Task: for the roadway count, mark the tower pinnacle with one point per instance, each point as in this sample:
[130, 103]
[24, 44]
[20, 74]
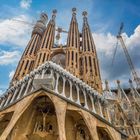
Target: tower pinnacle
[40, 26]
[74, 10]
[47, 41]
[72, 52]
[106, 85]
[85, 17]
[74, 14]
[91, 72]
[54, 14]
[43, 17]
[84, 13]
[26, 63]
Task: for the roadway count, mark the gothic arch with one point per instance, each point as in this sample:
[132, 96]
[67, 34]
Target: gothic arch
[38, 121]
[58, 57]
[74, 92]
[60, 85]
[67, 88]
[4, 120]
[57, 51]
[104, 134]
[75, 127]
[89, 102]
[82, 97]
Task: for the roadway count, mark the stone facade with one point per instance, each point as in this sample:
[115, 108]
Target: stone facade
[56, 94]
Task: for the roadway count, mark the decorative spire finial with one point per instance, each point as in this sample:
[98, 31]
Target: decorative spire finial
[106, 84]
[54, 14]
[44, 17]
[85, 16]
[118, 82]
[84, 13]
[74, 10]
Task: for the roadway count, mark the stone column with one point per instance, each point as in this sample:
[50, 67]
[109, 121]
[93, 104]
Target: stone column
[64, 81]
[91, 124]
[60, 108]
[78, 97]
[20, 91]
[56, 85]
[93, 107]
[70, 91]
[8, 99]
[43, 73]
[15, 93]
[29, 82]
[3, 101]
[86, 106]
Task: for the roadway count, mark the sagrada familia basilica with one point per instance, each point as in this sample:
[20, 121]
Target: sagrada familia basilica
[56, 92]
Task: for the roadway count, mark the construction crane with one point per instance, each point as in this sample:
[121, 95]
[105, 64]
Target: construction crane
[58, 35]
[130, 63]
[59, 30]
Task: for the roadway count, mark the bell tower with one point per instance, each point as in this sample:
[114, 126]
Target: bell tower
[72, 51]
[90, 65]
[47, 42]
[26, 63]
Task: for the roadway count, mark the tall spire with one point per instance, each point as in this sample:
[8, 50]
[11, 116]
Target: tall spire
[47, 42]
[26, 63]
[90, 66]
[72, 51]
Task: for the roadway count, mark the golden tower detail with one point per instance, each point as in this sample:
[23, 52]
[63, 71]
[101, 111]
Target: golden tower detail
[47, 42]
[72, 51]
[26, 64]
[89, 60]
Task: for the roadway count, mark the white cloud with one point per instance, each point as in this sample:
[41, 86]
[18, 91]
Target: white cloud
[25, 4]
[11, 74]
[105, 44]
[134, 40]
[7, 58]
[14, 32]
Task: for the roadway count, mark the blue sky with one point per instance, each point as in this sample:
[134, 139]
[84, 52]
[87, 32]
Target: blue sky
[104, 18]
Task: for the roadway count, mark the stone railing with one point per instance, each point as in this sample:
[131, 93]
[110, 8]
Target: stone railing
[60, 82]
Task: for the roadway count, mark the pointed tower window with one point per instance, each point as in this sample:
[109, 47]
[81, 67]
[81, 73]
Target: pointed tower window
[31, 65]
[90, 63]
[86, 63]
[95, 66]
[72, 55]
[44, 57]
[76, 59]
[26, 64]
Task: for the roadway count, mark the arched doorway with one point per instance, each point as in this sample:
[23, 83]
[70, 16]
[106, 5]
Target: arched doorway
[38, 122]
[103, 134]
[76, 128]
